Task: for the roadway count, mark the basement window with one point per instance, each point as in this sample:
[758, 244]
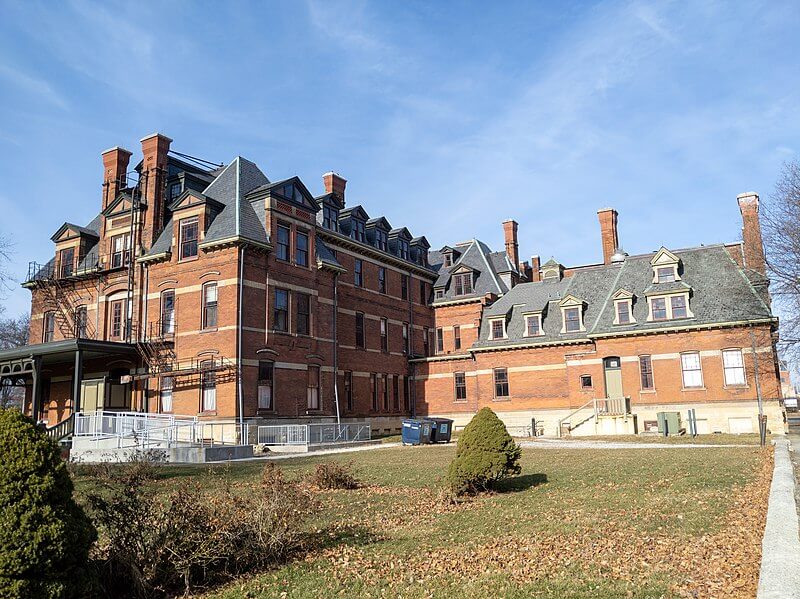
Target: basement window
[586, 381]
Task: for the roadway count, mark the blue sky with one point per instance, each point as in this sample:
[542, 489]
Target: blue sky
[447, 118]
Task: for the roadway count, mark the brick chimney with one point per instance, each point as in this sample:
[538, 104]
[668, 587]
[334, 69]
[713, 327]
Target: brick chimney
[334, 184]
[525, 269]
[115, 166]
[512, 247]
[536, 268]
[608, 232]
[752, 245]
[153, 180]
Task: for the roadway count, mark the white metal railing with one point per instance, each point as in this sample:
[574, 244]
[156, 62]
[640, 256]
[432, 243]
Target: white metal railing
[312, 434]
[166, 430]
[605, 406]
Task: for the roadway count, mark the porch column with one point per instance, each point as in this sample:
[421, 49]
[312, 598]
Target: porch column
[77, 377]
[36, 389]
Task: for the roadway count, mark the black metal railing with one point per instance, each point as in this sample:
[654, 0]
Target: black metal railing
[59, 269]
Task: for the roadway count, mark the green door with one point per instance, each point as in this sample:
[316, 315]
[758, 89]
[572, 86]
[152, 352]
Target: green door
[613, 374]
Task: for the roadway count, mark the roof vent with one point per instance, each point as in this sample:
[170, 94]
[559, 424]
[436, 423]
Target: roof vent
[618, 256]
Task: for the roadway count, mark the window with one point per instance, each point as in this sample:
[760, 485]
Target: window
[280, 315]
[404, 287]
[396, 393]
[439, 341]
[457, 337]
[121, 250]
[646, 373]
[330, 218]
[174, 190]
[208, 386]
[167, 383]
[266, 376]
[282, 246]
[463, 283]
[358, 273]
[402, 249]
[210, 306]
[500, 382]
[498, 328]
[692, 370]
[423, 293]
[360, 340]
[461, 386]
[659, 307]
[406, 394]
[373, 381]
[385, 390]
[426, 333]
[447, 260]
[586, 381]
[384, 335]
[189, 231]
[49, 327]
[405, 338]
[358, 231]
[313, 387]
[117, 316]
[439, 294]
[532, 325]
[66, 260]
[572, 320]
[81, 322]
[623, 312]
[380, 240]
[168, 312]
[678, 304]
[348, 389]
[303, 313]
[381, 279]
[301, 248]
[733, 364]
[665, 274]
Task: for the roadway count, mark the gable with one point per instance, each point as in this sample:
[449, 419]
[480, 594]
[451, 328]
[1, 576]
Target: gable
[191, 198]
[293, 190]
[664, 257]
[622, 294]
[570, 300]
[120, 205]
[69, 231]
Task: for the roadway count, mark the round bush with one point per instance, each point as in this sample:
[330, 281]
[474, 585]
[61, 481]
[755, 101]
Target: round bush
[486, 454]
[44, 535]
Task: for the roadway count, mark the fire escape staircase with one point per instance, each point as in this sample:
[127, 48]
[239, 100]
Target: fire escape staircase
[60, 296]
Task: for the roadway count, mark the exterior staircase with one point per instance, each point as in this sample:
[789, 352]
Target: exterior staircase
[593, 410]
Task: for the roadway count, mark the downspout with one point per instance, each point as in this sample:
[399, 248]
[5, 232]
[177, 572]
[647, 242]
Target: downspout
[146, 386]
[240, 399]
[412, 384]
[336, 346]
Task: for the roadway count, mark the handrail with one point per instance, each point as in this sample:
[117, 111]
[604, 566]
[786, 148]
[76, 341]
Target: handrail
[591, 402]
[62, 429]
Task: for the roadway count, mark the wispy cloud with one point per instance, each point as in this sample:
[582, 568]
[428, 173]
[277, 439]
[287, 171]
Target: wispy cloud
[35, 87]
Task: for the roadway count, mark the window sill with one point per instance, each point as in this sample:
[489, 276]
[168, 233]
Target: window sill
[460, 401]
[693, 389]
[650, 391]
[211, 330]
[208, 413]
[736, 387]
[188, 259]
[265, 410]
[501, 399]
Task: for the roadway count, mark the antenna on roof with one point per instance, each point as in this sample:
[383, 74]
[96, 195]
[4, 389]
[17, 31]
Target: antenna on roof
[198, 161]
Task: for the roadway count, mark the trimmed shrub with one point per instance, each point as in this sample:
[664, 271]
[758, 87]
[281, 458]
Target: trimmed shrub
[44, 535]
[333, 475]
[486, 454]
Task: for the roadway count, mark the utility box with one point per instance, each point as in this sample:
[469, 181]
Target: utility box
[669, 423]
[441, 429]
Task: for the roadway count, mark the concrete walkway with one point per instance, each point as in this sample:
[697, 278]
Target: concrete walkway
[780, 557]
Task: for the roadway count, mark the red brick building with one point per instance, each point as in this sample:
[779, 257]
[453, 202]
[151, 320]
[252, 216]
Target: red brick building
[210, 290]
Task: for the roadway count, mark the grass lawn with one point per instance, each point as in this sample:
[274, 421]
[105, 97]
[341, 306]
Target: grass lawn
[719, 439]
[575, 523]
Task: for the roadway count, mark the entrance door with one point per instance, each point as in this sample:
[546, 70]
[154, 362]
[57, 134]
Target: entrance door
[613, 374]
[93, 395]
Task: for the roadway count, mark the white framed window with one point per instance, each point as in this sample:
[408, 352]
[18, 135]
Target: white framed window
[313, 387]
[266, 375]
[463, 283]
[533, 325]
[666, 274]
[497, 328]
[669, 307]
[209, 306]
[623, 313]
[208, 386]
[692, 370]
[167, 383]
[733, 366]
[460, 380]
[572, 319]
[189, 234]
[168, 312]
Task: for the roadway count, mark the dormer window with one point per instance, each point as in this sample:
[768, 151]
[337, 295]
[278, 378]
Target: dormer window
[402, 249]
[533, 325]
[175, 190]
[498, 328]
[381, 240]
[572, 314]
[330, 218]
[439, 294]
[665, 266]
[669, 307]
[447, 260]
[357, 231]
[665, 274]
[623, 307]
[188, 238]
[462, 283]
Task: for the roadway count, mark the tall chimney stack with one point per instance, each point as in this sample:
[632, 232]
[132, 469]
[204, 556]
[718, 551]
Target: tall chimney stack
[752, 245]
[512, 247]
[115, 167]
[153, 180]
[536, 268]
[608, 233]
[334, 184]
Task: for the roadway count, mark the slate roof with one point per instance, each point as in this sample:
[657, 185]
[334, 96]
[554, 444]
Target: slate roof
[720, 292]
[477, 256]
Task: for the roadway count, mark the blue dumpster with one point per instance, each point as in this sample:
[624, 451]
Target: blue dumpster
[441, 429]
[416, 432]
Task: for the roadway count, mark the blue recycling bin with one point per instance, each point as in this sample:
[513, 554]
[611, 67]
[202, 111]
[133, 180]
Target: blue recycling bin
[441, 429]
[416, 432]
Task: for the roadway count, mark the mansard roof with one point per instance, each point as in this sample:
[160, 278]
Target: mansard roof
[379, 222]
[476, 256]
[721, 293]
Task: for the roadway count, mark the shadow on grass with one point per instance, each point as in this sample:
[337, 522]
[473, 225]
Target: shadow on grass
[521, 483]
